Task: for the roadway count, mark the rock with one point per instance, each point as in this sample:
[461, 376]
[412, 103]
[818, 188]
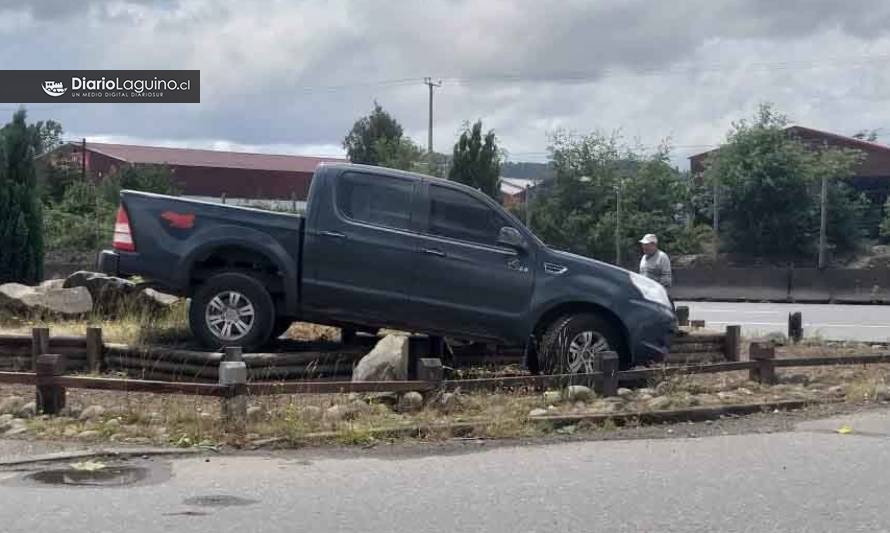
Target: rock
[624, 392]
[312, 412]
[15, 430]
[659, 402]
[744, 391]
[52, 284]
[882, 393]
[11, 405]
[663, 388]
[112, 424]
[645, 397]
[603, 406]
[335, 413]
[644, 391]
[18, 299]
[723, 395]
[28, 410]
[578, 393]
[154, 302]
[388, 361]
[552, 396]
[255, 413]
[89, 434]
[537, 412]
[92, 412]
[410, 402]
[71, 431]
[71, 410]
[837, 390]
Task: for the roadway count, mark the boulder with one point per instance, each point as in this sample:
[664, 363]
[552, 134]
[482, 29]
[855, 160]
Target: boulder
[11, 405]
[537, 412]
[19, 299]
[388, 361]
[111, 295]
[624, 392]
[552, 396]
[410, 402]
[255, 413]
[659, 402]
[92, 412]
[578, 393]
[52, 284]
[28, 410]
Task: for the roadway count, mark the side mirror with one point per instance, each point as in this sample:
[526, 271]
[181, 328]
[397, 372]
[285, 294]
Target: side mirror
[511, 238]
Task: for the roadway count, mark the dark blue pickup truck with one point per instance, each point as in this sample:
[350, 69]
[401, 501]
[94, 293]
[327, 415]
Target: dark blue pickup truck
[384, 248]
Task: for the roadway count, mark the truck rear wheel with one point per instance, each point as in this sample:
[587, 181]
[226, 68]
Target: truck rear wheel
[232, 309]
[574, 344]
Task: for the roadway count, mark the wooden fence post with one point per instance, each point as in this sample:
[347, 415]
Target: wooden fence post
[765, 355]
[233, 375]
[95, 350]
[682, 315]
[50, 398]
[795, 327]
[39, 344]
[607, 384]
[733, 343]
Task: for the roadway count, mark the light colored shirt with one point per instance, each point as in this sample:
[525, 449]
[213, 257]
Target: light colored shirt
[658, 267]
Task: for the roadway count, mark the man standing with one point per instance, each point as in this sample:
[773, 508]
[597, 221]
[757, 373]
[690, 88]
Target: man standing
[655, 264]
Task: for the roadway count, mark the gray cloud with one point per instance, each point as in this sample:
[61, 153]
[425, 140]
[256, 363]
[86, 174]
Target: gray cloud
[298, 73]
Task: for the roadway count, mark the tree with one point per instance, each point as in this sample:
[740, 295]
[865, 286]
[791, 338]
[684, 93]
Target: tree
[577, 210]
[769, 190]
[21, 225]
[376, 131]
[476, 161]
[402, 153]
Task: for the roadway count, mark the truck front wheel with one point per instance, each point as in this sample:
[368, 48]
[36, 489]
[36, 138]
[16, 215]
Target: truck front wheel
[574, 344]
[232, 309]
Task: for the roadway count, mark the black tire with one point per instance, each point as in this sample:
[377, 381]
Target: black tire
[249, 289]
[554, 351]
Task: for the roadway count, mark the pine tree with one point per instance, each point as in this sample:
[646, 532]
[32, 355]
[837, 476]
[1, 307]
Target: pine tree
[476, 161]
[21, 223]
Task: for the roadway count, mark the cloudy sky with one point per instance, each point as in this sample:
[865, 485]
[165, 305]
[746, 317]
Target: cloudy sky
[292, 76]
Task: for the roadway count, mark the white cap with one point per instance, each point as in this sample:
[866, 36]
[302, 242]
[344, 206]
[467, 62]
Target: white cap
[649, 238]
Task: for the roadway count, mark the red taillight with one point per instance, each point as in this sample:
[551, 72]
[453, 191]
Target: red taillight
[123, 238]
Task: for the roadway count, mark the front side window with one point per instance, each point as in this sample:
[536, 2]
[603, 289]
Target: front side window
[375, 199]
[458, 215]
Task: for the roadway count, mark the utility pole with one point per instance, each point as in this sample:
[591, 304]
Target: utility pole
[823, 222]
[430, 83]
[716, 218]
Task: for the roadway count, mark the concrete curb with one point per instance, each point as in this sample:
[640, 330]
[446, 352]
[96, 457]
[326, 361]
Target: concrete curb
[113, 453]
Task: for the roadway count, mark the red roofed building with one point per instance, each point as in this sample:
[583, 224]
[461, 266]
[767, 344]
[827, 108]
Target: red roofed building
[208, 173]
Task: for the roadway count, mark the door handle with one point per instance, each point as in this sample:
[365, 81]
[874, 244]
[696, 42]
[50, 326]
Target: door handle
[334, 234]
[434, 251]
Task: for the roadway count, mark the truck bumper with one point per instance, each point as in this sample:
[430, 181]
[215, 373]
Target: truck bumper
[109, 262]
[655, 326]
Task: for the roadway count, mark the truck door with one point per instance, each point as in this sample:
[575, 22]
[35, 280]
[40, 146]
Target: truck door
[361, 248]
[464, 280]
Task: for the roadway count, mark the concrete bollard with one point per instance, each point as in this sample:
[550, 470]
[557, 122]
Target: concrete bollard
[233, 353]
[50, 398]
[682, 315]
[430, 369]
[233, 375]
[733, 340]
[795, 327]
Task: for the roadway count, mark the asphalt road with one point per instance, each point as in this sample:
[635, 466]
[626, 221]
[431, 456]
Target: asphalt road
[830, 322]
[812, 480]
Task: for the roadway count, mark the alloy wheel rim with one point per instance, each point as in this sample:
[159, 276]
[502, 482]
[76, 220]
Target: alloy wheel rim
[230, 316]
[584, 352]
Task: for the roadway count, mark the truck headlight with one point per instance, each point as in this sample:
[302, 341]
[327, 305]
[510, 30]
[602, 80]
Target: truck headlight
[650, 289]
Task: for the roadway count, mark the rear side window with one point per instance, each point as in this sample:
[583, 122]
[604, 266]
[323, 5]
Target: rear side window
[378, 200]
[458, 215]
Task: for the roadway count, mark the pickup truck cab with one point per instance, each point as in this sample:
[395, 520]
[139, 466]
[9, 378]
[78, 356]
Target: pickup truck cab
[385, 248]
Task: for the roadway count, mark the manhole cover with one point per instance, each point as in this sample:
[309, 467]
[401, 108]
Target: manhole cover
[111, 476]
[218, 500]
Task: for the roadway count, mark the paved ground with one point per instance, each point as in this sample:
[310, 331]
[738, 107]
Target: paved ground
[812, 479]
[830, 322]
